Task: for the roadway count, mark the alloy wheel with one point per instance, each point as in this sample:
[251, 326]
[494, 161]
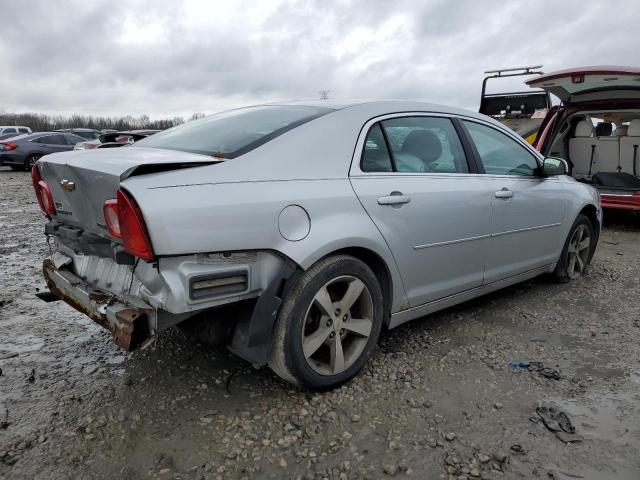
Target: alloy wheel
[338, 324]
[579, 249]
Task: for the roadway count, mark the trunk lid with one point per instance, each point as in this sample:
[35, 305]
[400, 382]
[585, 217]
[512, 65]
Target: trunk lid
[591, 83]
[81, 181]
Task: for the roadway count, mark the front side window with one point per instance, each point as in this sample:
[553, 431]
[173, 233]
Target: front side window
[233, 133]
[425, 145]
[500, 154]
[23, 130]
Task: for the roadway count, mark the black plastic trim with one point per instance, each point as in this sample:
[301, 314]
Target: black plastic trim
[253, 336]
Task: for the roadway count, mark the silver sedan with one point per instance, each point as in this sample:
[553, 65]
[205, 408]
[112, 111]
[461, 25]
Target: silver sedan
[293, 232]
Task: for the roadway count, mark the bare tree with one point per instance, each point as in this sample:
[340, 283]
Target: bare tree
[41, 122]
[324, 94]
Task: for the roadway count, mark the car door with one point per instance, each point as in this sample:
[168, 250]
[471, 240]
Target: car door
[413, 177]
[53, 143]
[527, 209]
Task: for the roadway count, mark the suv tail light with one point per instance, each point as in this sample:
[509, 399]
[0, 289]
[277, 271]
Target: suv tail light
[8, 146]
[43, 192]
[124, 220]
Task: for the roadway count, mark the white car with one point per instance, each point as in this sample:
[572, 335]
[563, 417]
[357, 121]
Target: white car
[18, 130]
[323, 221]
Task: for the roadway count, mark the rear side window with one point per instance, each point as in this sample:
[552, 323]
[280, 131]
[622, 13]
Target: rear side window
[234, 133]
[9, 130]
[52, 140]
[500, 154]
[375, 154]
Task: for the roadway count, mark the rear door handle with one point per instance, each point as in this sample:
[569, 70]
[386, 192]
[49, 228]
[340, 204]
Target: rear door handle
[504, 193]
[395, 198]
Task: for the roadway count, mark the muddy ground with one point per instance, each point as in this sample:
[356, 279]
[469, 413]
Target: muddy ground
[438, 399]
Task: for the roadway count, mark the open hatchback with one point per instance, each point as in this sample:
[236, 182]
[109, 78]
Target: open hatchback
[596, 128]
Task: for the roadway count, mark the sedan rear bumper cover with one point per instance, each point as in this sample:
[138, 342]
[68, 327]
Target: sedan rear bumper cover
[130, 320]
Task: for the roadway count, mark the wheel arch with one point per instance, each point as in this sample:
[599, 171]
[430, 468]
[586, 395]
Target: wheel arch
[379, 268]
[375, 254]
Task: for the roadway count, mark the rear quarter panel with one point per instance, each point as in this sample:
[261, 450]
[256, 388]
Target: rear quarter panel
[239, 216]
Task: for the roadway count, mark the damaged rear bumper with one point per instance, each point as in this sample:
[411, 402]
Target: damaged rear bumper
[129, 319]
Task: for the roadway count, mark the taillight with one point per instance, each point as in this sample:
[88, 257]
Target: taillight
[124, 220]
[110, 211]
[8, 146]
[43, 192]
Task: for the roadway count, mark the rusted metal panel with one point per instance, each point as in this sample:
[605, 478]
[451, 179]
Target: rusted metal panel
[128, 324]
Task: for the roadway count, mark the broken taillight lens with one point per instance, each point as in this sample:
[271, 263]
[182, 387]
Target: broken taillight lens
[43, 192]
[124, 220]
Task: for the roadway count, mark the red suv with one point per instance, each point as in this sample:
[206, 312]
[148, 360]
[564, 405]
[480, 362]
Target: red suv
[596, 129]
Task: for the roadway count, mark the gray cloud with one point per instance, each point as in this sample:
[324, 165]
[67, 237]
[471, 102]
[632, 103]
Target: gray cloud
[164, 58]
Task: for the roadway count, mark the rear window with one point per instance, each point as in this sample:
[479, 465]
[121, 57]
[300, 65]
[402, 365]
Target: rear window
[233, 133]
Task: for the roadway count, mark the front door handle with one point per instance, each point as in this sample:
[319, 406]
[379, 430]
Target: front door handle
[394, 198]
[504, 193]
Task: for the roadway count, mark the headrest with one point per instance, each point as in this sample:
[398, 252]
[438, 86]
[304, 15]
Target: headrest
[621, 131]
[423, 144]
[634, 128]
[584, 128]
[604, 129]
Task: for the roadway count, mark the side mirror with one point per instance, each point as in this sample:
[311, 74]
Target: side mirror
[554, 166]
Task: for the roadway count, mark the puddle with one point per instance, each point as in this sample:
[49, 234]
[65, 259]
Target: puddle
[609, 417]
[607, 473]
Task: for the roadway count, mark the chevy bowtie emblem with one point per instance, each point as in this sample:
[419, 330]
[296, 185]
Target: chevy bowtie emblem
[67, 185]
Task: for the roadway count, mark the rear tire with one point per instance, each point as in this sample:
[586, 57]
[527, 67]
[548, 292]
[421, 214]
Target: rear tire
[328, 325]
[31, 160]
[577, 252]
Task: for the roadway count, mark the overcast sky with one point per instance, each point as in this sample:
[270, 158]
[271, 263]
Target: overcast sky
[166, 58]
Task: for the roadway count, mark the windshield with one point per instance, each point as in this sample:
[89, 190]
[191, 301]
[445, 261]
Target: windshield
[233, 133]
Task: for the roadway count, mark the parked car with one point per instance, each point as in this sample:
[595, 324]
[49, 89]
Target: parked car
[115, 139]
[4, 136]
[86, 133]
[22, 152]
[320, 222]
[596, 129]
[14, 130]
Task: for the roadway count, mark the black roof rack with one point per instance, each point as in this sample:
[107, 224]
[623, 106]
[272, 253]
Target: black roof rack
[527, 102]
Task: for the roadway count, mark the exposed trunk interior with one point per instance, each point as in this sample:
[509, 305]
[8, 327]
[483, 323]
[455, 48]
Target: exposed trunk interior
[601, 147]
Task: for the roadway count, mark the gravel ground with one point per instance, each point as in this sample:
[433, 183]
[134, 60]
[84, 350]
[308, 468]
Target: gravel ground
[437, 400]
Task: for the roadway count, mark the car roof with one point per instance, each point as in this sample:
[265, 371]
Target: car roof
[382, 107]
[77, 130]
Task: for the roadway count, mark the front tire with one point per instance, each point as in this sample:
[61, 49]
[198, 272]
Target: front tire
[328, 325]
[577, 251]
